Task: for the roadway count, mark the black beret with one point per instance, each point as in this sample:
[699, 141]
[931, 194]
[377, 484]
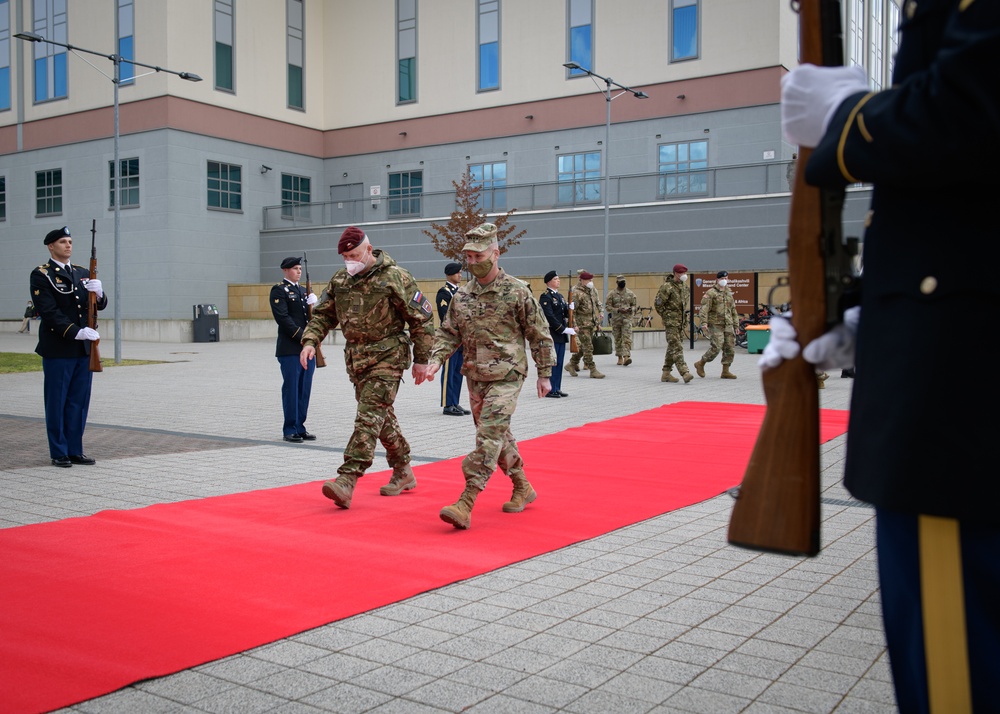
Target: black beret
[290, 263]
[549, 275]
[721, 274]
[452, 268]
[53, 236]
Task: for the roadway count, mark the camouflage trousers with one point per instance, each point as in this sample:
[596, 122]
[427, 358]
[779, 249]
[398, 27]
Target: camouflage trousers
[375, 421]
[675, 350]
[621, 331]
[722, 340]
[585, 339]
[493, 406]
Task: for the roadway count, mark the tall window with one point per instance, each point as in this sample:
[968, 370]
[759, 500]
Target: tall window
[682, 168]
[48, 192]
[4, 55]
[126, 40]
[224, 44]
[225, 186]
[295, 191]
[3, 198]
[489, 45]
[405, 189]
[684, 24]
[50, 60]
[579, 178]
[296, 54]
[581, 34]
[493, 180]
[406, 51]
[128, 185]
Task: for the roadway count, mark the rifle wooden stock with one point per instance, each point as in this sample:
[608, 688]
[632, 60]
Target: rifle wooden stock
[573, 346]
[777, 508]
[320, 360]
[95, 353]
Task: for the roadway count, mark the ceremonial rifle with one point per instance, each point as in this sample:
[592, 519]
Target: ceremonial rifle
[573, 346]
[320, 361]
[777, 505]
[95, 354]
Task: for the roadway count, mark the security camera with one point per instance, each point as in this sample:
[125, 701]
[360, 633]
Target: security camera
[264, 168]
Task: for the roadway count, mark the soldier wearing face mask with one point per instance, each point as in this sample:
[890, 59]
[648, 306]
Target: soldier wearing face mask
[671, 303]
[622, 303]
[374, 301]
[718, 311]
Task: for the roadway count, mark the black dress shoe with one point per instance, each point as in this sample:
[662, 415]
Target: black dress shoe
[465, 411]
[306, 436]
[563, 394]
[294, 438]
[552, 395]
[453, 411]
[62, 462]
[82, 459]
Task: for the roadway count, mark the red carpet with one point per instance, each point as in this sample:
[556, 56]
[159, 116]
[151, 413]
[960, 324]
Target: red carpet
[90, 605]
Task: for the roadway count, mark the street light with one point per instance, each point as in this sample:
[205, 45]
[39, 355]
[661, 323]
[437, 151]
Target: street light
[117, 60]
[609, 97]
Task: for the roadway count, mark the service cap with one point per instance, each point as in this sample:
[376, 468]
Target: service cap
[481, 238]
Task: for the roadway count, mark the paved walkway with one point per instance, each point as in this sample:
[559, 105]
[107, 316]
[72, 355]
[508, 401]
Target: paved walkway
[660, 616]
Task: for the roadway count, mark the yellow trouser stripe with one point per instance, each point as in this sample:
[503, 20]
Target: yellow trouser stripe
[945, 646]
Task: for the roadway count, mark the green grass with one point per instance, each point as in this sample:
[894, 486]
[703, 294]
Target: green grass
[19, 362]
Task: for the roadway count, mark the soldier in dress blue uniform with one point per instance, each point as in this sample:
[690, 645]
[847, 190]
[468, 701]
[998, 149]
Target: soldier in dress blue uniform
[451, 380]
[60, 291]
[920, 443]
[556, 311]
[289, 306]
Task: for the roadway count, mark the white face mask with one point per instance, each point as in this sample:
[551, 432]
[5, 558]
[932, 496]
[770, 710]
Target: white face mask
[683, 278]
[355, 266]
[722, 282]
[590, 284]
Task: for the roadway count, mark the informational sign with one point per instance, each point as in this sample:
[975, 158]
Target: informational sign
[743, 285]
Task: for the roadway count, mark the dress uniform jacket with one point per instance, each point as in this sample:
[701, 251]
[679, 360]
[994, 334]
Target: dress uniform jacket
[288, 306]
[62, 302]
[918, 438]
[556, 311]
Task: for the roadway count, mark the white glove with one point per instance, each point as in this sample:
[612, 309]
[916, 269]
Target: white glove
[312, 299]
[94, 286]
[809, 97]
[781, 344]
[835, 349]
[571, 305]
[87, 333]
[569, 331]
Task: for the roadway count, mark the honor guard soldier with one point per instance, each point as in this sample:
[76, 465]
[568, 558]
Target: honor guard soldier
[451, 380]
[556, 311]
[289, 306]
[60, 291]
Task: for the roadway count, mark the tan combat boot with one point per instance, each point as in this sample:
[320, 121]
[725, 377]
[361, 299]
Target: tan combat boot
[665, 376]
[628, 361]
[726, 374]
[699, 367]
[459, 514]
[620, 360]
[342, 490]
[402, 480]
[595, 373]
[522, 496]
[687, 377]
[571, 368]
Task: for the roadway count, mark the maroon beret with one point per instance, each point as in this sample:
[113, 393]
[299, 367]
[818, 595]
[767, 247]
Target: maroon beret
[351, 239]
[586, 276]
[680, 268]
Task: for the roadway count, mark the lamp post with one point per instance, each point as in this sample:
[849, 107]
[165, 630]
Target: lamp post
[117, 60]
[608, 91]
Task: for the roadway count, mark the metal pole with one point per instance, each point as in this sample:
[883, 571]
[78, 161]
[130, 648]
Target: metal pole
[118, 217]
[607, 190]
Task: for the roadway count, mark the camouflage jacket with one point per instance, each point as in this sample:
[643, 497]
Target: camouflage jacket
[374, 310]
[587, 308]
[491, 324]
[718, 308]
[622, 304]
[671, 302]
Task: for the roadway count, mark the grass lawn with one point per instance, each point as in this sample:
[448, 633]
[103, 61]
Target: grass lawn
[30, 362]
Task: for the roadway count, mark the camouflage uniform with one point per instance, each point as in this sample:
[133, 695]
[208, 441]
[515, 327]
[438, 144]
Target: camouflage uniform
[718, 311]
[491, 323]
[622, 304]
[373, 310]
[587, 315]
[671, 304]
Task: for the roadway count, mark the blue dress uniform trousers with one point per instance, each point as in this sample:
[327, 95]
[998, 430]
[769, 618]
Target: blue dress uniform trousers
[296, 386]
[66, 392]
[557, 372]
[451, 380]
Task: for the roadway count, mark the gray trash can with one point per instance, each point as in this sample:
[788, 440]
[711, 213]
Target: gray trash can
[206, 323]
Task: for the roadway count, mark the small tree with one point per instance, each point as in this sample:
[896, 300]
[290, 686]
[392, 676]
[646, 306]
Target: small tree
[449, 238]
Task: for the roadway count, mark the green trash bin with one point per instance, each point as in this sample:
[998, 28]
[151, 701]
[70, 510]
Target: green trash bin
[757, 337]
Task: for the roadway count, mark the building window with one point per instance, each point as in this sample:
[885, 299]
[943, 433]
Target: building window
[684, 38]
[579, 178]
[225, 186]
[3, 197]
[50, 60]
[493, 180]
[406, 51]
[48, 192]
[296, 54]
[295, 191]
[489, 45]
[405, 189]
[581, 34]
[126, 41]
[224, 44]
[682, 168]
[128, 186]
[4, 55]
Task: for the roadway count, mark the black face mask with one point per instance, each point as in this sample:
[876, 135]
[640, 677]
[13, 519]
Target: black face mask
[621, 284]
